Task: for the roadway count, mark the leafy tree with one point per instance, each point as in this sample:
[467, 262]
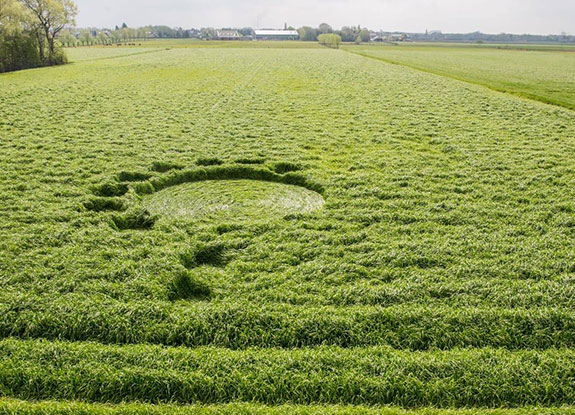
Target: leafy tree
[67, 38]
[11, 16]
[349, 34]
[29, 30]
[103, 38]
[132, 34]
[308, 34]
[19, 50]
[208, 33]
[125, 34]
[246, 31]
[162, 31]
[330, 40]
[50, 18]
[142, 33]
[86, 38]
[116, 36]
[364, 36]
[325, 28]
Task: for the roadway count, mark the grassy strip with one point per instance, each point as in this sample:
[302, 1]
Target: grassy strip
[36, 370]
[520, 94]
[241, 326]
[16, 407]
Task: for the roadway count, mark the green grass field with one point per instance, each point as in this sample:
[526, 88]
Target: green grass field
[543, 73]
[270, 230]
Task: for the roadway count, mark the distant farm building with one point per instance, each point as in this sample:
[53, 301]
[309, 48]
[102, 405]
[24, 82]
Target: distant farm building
[276, 35]
[228, 35]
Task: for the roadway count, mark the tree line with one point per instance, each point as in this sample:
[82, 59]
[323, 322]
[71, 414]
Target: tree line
[126, 34]
[358, 34]
[121, 34]
[479, 37]
[347, 33]
[29, 31]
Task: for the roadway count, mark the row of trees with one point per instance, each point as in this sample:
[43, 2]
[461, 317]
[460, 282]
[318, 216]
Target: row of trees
[89, 37]
[495, 38]
[29, 30]
[123, 34]
[347, 33]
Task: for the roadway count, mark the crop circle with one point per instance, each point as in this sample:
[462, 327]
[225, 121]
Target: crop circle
[233, 199]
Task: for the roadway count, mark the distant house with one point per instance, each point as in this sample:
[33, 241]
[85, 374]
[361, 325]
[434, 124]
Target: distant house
[266, 34]
[228, 35]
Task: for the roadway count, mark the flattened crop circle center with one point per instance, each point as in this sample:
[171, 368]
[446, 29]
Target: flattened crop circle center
[233, 198]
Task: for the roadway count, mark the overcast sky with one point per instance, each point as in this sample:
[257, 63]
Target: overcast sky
[488, 16]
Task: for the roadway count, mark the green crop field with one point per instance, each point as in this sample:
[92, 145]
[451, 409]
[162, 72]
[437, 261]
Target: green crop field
[543, 73]
[286, 230]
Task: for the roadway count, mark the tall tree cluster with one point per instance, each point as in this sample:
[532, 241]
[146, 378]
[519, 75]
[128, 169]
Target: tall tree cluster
[29, 30]
[330, 40]
[347, 33]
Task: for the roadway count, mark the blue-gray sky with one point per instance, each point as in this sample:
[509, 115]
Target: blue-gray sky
[488, 16]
